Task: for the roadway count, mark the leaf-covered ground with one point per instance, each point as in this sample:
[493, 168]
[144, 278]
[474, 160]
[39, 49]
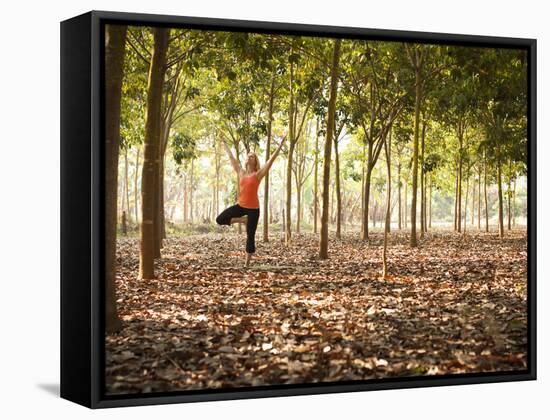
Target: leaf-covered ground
[456, 304]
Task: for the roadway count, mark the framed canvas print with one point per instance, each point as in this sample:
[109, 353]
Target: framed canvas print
[255, 209]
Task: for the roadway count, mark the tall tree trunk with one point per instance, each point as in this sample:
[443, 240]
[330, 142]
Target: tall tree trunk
[157, 194]
[161, 215]
[472, 212]
[136, 204]
[124, 224]
[406, 212]
[459, 197]
[151, 152]
[344, 207]
[288, 203]
[510, 196]
[366, 196]
[291, 144]
[479, 196]
[283, 204]
[485, 192]
[413, 242]
[115, 40]
[466, 205]
[387, 149]
[238, 189]
[185, 197]
[399, 194]
[500, 200]
[363, 176]
[338, 192]
[331, 215]
[298, 205]
[315, 178]
[430, 201]
[162, 193]
[514, 204]
[422, 184]
[126, 185]
[456, 199]
[323, 243]
[191, 180]
[217, 164]
[267, 154]
[425, 206]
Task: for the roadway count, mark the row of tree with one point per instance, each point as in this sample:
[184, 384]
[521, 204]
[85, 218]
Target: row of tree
[457, 109]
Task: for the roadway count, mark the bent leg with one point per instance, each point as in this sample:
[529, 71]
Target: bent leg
[224, 218]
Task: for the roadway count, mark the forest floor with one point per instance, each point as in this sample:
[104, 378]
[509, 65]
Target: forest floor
[456, 304]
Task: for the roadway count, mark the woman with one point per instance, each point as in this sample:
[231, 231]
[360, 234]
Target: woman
[247, 209]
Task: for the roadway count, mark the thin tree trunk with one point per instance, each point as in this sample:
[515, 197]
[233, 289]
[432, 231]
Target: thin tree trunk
[413, 242]
[315, 180]
[298, 205]
[291, 144]
[126, 184]
[218, 166]
[323, 243]
[472, 212]
[459, 210]
[191, 191]
[331, 215]
[485, 193]
[399, 194]
[500, 200]
[161, 214]
[185, 198]
[406, 212]
[387, 149]
[338, 192]
[151, 152]
[456, 199]
[466, 205]
[366, 196]
[431, 186]
[510, 196]
[124, 223]
[136, 186]
[422, 174]
[479, 197]
[267, 154]
[115, 40]
[514, 204]
[363, 176]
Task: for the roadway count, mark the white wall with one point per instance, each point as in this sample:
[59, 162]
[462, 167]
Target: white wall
[29, 379]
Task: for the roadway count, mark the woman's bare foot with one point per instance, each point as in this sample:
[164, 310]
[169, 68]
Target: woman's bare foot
[247, 261]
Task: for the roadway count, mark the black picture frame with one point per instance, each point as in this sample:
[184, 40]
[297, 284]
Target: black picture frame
[82, 209]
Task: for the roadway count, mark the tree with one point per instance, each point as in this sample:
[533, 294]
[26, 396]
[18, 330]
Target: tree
[115, 38]
[374, 86]
[503, 112]
[315, 178]
[323, 246]
[151, 153]
[304, 88]
[417, 55]
[387, 150]
[301, 171]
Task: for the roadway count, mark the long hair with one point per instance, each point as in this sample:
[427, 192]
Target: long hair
[257, 166]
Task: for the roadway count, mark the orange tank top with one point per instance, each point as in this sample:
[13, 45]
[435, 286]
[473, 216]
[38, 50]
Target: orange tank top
[248, 196]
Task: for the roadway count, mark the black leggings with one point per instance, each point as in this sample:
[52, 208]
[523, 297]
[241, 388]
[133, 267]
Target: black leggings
[224, 218]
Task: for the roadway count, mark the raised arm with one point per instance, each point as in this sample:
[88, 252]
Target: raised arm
[234, 162]
[265, 169]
